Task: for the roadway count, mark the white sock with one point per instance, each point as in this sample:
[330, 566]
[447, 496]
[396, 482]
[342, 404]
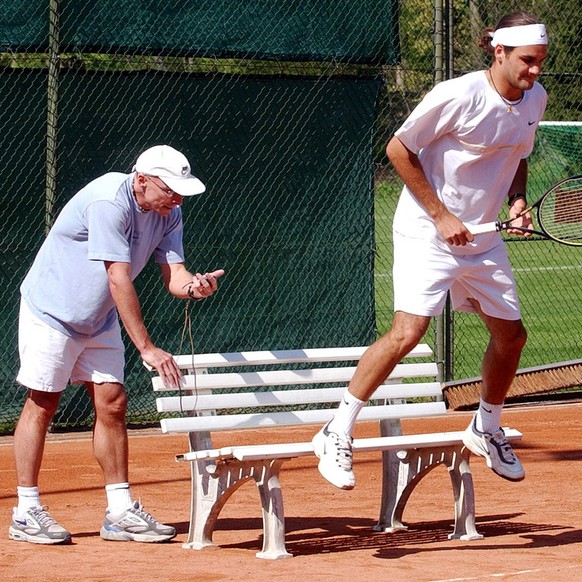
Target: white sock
[118, 497]
[345, 417]
[28, 497]
[488, 416]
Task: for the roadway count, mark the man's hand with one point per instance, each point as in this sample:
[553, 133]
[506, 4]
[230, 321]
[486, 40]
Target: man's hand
[165, 365]
[453, 230]
[525, 221]
[203, 286]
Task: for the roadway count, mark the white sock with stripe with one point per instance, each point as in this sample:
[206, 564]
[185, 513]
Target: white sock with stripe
[345, 417]
[118, 497]
[28, 497]
[488, 417]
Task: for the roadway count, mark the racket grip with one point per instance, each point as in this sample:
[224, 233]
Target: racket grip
[483, 228]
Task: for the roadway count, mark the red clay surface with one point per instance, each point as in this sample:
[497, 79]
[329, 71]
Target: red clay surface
[532, 529]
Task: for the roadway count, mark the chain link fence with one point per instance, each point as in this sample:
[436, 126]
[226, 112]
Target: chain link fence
[284, 109]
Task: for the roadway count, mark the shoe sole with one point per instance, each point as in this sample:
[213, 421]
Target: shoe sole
[487, 458]
[122, 536]
[19, 536]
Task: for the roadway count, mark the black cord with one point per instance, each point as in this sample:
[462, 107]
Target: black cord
[187, 329]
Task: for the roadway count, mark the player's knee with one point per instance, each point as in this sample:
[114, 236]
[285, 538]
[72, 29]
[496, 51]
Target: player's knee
[401, 340]
[42, 404]
[515, 341]
[113, 407]
[521, 339]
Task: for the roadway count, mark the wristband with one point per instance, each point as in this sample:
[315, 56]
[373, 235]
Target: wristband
[513, 197]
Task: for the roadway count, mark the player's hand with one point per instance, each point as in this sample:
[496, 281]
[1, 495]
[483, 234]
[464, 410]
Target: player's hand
[453, 230]
[203, 286]
[525, 221]
[165, 366]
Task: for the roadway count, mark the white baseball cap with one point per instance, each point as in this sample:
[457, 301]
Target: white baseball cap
[172, 167]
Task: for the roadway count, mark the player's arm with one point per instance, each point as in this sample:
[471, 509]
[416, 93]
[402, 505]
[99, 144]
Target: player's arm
[408, 167]
[129, 309]
[183, 284]
[516, 198]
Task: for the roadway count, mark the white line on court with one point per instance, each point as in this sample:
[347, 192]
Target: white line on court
[516, 270]
[504, 574]
[555, 268]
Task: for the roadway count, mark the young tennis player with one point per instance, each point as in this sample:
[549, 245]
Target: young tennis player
[79, 284]
[461, 155]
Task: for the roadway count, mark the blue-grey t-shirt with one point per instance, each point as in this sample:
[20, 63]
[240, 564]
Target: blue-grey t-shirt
[67, 286]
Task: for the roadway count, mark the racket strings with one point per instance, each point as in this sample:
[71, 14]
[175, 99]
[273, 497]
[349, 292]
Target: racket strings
[560, 214]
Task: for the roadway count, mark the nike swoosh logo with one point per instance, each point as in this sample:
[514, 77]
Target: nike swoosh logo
[486, 410]
[20, 521]
[530, 122]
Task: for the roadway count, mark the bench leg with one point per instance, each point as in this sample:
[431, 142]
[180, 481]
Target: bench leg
[462, 480]
[205, 492]
[273, 514]
[402, 471]
[212, 486]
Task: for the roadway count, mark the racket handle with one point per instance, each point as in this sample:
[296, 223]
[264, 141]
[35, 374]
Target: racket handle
[483, 228]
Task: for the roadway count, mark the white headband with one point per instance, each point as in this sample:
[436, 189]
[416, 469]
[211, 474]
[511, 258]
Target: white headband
[525, 35]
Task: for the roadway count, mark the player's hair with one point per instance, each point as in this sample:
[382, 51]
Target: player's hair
[509, 20]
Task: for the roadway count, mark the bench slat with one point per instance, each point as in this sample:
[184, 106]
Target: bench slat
[287, 418]
[290, 397]
[291, 450]
[258, 358]
[283, 377]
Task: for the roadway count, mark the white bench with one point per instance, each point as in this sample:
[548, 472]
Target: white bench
[303, 387]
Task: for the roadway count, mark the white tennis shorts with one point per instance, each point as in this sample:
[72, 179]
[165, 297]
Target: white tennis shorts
[424, 273]
[49, 359]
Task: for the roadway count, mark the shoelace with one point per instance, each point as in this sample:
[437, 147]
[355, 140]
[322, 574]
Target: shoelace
[344, 453]
[502, 442]
[43, 517]
[141, 512]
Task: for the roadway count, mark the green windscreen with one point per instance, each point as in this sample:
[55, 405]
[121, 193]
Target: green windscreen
[347, 30]
[288, 210]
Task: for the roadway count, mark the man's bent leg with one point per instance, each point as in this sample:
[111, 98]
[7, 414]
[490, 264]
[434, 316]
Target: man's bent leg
[381, 357]
[333, 443]
[484, 436]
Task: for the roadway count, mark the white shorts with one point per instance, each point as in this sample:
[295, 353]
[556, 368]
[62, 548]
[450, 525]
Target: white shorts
[424, 273]
[49, 359]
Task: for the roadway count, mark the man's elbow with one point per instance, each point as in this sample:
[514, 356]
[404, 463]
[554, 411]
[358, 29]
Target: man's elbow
[394, 149]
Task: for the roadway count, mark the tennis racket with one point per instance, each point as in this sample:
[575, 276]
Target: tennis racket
[559, 215]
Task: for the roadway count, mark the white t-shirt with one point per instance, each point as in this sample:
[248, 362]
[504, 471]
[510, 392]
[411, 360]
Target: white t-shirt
[67, 286]
[469, 146]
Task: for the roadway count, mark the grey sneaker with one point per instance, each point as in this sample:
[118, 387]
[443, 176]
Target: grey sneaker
[335, 458]
[498, 453]
[135, 524]
[38, 527]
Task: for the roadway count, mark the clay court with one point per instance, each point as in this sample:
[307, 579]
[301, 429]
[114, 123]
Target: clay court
[532, 529]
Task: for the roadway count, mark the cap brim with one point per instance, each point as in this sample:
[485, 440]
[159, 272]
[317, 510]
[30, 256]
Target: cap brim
[189, 186]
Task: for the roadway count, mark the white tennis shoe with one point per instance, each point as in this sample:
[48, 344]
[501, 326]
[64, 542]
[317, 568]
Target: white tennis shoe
[38, 527]
[497, 451]
[335, 458]
[135, 524]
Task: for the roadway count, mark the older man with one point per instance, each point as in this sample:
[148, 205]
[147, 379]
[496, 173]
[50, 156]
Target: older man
[79, 286]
